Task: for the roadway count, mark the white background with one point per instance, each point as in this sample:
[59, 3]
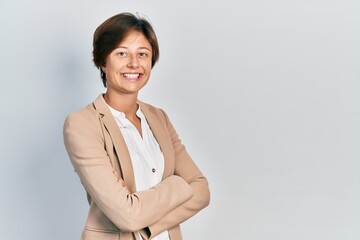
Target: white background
[265, 95]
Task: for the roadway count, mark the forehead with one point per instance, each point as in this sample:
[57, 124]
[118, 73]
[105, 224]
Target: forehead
[135, 39]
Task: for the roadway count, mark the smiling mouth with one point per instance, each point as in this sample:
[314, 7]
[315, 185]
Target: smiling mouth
[132, 76]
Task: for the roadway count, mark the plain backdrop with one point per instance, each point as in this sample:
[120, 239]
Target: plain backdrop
[265, 94]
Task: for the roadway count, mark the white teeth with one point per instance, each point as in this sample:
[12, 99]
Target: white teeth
[132, 75]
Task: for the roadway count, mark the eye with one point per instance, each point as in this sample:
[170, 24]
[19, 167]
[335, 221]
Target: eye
[143, 54]
[122, 53]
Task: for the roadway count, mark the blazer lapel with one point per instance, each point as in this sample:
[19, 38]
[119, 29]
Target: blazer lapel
[119, 142]
[161, 134]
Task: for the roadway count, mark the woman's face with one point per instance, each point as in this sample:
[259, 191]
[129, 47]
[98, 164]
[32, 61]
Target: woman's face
[128, 66]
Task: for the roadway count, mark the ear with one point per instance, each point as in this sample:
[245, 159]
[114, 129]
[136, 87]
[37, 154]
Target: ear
[103, 68]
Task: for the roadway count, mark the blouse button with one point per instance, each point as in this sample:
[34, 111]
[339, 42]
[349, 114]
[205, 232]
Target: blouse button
[153, 170]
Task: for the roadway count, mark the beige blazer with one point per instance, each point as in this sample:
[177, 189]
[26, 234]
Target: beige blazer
[98, 152]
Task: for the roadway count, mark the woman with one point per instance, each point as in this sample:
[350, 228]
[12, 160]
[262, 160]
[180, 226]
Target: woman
[140, 181]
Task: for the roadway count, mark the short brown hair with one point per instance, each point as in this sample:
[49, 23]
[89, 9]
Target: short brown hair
[111, 32]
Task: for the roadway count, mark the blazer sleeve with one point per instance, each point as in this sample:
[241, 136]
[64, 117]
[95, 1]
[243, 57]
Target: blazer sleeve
[187, 170]
[130, 212]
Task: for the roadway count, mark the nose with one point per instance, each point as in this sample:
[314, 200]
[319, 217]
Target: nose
[133, 62]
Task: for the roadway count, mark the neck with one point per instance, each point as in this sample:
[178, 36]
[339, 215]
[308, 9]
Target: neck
[126, 103]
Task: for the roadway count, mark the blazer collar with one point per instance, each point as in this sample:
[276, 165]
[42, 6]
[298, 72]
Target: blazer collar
[119, 143]
[156, 126]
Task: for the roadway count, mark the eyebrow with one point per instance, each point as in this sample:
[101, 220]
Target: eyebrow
[138, 48]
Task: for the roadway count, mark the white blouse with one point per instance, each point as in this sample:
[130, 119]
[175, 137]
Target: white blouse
[146, 155]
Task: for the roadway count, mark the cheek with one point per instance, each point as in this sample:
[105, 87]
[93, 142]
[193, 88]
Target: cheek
[113, 68]
[147, 64]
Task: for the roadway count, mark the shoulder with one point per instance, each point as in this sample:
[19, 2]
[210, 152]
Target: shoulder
[91, 113]
[86, 117]
[84, 113]
[153, 110]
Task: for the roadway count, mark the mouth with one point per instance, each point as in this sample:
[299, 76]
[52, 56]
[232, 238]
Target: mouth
[132, 76]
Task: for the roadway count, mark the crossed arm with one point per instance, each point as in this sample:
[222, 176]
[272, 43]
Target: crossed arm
[187, 170]
[172, 201]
